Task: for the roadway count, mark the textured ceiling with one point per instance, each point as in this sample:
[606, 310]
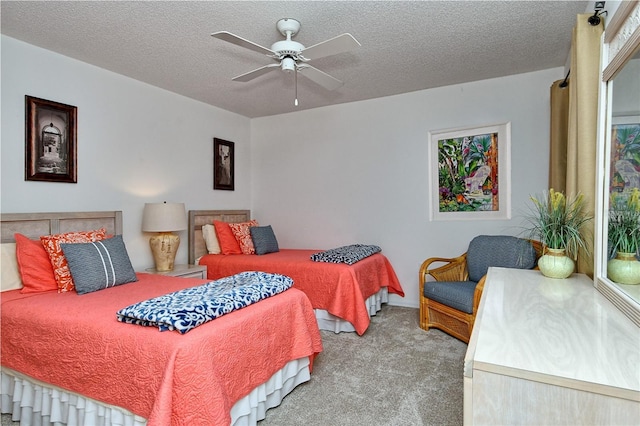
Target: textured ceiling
[406, 46]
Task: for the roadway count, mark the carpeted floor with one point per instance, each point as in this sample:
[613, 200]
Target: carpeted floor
[394, 375]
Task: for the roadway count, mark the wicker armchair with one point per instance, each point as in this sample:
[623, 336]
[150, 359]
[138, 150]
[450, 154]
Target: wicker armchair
[450, 303]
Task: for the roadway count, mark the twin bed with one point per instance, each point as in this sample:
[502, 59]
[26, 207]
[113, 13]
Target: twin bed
[65, 357]
[343, 296]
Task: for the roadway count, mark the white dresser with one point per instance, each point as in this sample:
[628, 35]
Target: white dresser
[550, 352]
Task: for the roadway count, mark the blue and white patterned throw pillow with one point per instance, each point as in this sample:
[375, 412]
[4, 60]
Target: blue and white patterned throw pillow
[346, 254]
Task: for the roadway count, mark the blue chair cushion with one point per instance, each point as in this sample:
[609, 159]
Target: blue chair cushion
[456, 294]
[498, 250]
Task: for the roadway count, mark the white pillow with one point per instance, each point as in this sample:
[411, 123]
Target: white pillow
[211, 239]
[9, 274]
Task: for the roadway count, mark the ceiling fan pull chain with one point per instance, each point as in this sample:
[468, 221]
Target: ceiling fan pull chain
[295, 72]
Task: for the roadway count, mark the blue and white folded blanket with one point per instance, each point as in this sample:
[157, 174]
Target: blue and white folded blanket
[185, 309]
[346, 254]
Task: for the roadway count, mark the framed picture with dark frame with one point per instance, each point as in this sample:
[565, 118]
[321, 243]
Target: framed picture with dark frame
[223, 164]
[51, 141]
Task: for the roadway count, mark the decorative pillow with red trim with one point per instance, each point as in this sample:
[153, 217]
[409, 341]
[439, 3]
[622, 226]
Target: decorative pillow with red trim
[243, 235]
[60, 265]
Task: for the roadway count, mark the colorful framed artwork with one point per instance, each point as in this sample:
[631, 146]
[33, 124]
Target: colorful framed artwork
[51, 138]
[470, 173]
[624, 168]
[223, 164]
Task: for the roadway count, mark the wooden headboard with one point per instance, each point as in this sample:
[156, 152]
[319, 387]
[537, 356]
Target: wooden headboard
[197, 218]
[33, 225]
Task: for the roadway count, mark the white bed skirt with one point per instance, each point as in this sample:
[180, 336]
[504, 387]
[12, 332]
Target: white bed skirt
[35, 403]
[329, 322]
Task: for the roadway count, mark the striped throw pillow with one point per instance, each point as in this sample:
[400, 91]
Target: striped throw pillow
[98, 265]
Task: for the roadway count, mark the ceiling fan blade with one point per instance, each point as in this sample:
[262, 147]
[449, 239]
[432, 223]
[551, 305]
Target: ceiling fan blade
[338, 44]
[319, 77]
[256, 73]
[239, 41]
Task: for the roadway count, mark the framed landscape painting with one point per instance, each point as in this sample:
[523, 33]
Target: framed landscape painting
[470, 173]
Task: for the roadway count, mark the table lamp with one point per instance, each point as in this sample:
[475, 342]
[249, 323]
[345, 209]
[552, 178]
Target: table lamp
[164, 218]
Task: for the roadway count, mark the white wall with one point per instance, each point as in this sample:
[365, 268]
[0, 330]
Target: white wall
[358, 172]
[326, 177]
[136, 144]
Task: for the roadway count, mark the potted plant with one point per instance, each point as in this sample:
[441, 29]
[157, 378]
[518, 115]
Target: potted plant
[624, 237]
[557, 222]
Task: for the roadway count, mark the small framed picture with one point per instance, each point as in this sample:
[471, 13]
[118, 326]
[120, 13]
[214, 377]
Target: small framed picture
[50, 147]
[223, 167]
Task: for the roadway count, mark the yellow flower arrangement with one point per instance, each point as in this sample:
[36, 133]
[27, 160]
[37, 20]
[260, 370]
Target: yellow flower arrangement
[557, 221]
[624, 222]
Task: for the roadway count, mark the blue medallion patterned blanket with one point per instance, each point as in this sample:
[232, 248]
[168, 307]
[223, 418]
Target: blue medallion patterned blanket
[186, 309]
[346, 254]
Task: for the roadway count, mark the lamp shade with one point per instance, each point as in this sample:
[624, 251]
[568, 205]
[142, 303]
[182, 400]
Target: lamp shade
[164, 217]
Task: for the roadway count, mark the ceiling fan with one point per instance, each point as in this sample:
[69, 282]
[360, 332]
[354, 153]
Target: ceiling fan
[291, 56]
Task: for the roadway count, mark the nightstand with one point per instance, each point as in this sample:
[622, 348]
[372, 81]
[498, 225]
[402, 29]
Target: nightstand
[183, 271]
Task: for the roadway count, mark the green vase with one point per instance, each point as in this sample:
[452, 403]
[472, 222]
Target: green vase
[624, 269]
[556, 264]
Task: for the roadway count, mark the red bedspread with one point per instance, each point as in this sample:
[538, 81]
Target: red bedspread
[338, 288]
[75, 342]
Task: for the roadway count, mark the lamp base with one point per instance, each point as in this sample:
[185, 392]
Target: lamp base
[164, 247]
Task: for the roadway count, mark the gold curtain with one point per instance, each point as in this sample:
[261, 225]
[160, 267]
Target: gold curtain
[581, 139]
[559, 134]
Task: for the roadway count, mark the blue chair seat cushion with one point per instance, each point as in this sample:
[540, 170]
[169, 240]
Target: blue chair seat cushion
[455, 294]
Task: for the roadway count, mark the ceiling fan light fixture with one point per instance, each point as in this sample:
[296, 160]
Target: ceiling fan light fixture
[291, 56]
[288, 64]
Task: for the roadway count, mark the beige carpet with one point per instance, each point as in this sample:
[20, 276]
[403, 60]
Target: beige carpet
[394, 375]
